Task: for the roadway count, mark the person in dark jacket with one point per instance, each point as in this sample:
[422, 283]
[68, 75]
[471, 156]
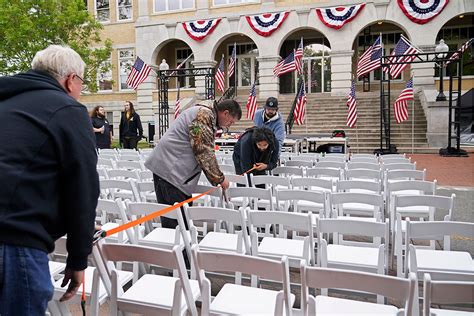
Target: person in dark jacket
[257, 147]
[130, 128]
[49, 182]
[101, 127]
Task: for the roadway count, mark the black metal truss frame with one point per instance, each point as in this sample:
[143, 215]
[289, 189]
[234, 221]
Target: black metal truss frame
[385, 118]
[163, 77]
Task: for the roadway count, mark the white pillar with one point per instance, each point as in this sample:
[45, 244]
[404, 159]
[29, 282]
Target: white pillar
[424, 73]
[268, 84]
[201, 80]
[145, 106]
[341, 68]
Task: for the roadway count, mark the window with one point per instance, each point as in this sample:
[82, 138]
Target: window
[102, 10]
[181, 55]
[224, 2]
[126, 58]
[124, 10]
[455, 37]
[246, 69]
[104, 76]
[172, 5]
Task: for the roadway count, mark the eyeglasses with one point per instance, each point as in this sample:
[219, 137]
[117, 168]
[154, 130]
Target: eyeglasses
[79, 77]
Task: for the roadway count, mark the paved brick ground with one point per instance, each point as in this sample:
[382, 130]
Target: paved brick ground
[449, 171]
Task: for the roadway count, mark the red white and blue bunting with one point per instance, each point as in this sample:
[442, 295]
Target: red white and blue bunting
[422, 11]
[337, 17]
[199, 30]
[266, 24]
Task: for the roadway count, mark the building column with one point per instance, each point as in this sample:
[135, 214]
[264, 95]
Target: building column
[144, 104]
[143, 14]
[268, 84]
[201, 80]
[341, 71]
[202, 8]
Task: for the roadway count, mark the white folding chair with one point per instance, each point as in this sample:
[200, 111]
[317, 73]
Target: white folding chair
[396, 175]
[102, 172]
[122, 174]
[363, 174]
[296, 249]
[330, 164]
[130, 165]
[105, 163]
[152, 293]
[416, 206]
[130, 157]
[110, 151]
[398, 289]
[298, 163]
[303, 201]
[146, 175]
[353, 255]
[328, 173]
[110, 215]
[368, 158]
[359, 186]
[212, 198]
[146, 191]
[333, 157]
[234, 299]
[254, 198]
[398, 166]
[446, 292]
[228, 169]
[367, 205]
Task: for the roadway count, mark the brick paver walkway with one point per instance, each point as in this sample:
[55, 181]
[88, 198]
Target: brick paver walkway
[449, 171]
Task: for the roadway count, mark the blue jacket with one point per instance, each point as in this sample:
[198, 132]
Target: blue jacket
[276, 124]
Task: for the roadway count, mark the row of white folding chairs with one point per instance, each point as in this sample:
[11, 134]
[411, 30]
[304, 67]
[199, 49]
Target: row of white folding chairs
[123, 174]
[120, 164]
[129, 157]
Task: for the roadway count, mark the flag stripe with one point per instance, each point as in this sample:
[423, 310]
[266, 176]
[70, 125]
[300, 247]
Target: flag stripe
[401, 103]
[220, 76]
[138, 74]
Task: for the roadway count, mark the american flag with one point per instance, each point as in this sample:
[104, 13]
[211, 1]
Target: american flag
[401, 103]
[352, 105]
[252, 103]
[403, 47]
[460, 51]
[138, 74]
[232, 60]
[300, 107]
[286, 65]
[370, 59]
[181, 64]
[177, 104]
[299, 58]
[220, 76]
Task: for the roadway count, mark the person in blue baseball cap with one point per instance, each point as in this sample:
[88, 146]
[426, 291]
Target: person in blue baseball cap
[269, 117]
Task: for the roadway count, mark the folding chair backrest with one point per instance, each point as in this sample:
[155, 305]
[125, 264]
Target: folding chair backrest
[352, 227]
[318, 172]
[425, 187]
[348, 185]
[363, 174]
[301, 195]
[113, 184]
[228, 169]
[288, 171]
[293, 221]
[363, 165]
[272, 181]
[130, 157]
[103, 162]
[145, 208]
[252, 193]
[398, 289]
[399, 166]
[202, 213]
[397, 174]
[373, 199]
[330, 164]
[369, 159]
[102, 173]
[237, 179]
[307, 157]
[446, 292]
[107, 151]
[108, 156]
[436, 230]
[333, 157]
[312, 184]
[298, 163]
[436, 202]
[146, 175]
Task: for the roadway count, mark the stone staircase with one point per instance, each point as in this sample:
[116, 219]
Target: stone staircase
[325, 113]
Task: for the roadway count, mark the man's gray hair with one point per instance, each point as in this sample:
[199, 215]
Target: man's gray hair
[59, 61]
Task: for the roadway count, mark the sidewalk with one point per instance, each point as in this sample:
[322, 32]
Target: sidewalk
[449, 171]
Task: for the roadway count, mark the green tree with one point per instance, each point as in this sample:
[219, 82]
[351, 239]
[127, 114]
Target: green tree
[27, 26]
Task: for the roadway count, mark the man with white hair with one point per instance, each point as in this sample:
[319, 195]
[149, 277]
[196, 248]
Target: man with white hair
[49, 183]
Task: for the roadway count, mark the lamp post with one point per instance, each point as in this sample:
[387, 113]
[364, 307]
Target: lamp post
[442, 50]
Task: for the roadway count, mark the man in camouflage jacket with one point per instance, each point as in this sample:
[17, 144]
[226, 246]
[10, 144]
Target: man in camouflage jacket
[186, 149]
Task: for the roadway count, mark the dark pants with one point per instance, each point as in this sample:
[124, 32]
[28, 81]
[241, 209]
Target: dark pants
[130, 142]
[167, 193]
[25, 282]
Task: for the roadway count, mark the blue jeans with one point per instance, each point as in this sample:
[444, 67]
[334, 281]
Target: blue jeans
[25, 282]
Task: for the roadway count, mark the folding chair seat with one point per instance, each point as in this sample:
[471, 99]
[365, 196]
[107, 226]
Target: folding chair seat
[397, 289]
[446, 292]
[415, 206]
[295, 249]
[235, 299]
[152, 293]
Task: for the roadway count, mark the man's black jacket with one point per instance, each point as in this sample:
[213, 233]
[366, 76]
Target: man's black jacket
[48, 180]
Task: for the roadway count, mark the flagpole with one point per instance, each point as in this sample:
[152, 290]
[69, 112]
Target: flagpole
[235, 69]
